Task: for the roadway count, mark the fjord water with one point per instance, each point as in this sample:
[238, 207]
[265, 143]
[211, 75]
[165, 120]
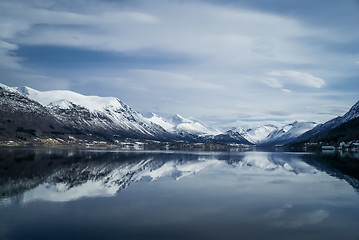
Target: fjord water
[88, 194]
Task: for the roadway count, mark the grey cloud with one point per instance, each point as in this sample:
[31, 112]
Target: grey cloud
[241, 72]
[289, 217]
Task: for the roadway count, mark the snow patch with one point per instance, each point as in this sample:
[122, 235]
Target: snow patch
[54, 97]
[178, 124]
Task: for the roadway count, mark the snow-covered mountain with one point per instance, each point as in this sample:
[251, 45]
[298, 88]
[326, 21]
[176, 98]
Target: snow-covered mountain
[183, 126]
[26, 111]
[93, 117]
[288, 133]
[351, 114]
[272, 135]
[229, 136]
[331, 124]
[256, 135]
[107, 115]
[21, 117]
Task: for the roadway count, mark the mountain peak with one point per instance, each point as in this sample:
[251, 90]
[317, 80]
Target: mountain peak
[7, 88]
[351, 114]
[178, 124]
[111, 115]
[294, 123]
[270, 133]
[260, 133]
[52, 97]
[355, 108]
[23, 89]
[289, 132]
[321, 130]
[178, 119]
[271, 125]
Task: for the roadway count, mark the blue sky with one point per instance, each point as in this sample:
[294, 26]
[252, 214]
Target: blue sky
[227, 63]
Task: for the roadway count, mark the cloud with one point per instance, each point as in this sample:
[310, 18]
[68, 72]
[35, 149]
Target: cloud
[289, 217]
[231, 55]
[168, 80]
[205, 29]
[273, 82]
[7, 59]
[306, 218]
[294, 77]
[38, 81]
[286, 90]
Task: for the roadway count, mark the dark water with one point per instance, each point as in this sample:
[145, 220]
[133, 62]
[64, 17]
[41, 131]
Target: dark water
[73, 194]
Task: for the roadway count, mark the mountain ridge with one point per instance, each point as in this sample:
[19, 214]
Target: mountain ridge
[22, 117]
[108, 118]
[180, 125]
[93, 113]
[353, 113]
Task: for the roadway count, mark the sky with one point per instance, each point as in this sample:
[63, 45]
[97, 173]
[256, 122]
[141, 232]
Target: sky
[227, 63]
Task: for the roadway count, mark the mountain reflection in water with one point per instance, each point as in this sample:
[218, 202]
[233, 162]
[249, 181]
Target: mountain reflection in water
[68, 174]
[176, 195]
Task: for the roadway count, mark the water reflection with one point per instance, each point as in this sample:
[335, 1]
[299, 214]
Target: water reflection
[74, 194]
[68, 174]
[288, 218]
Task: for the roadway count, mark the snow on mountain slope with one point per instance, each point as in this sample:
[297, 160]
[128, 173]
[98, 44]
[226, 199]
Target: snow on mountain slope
[93, 113]
[23, 118]
[230, 136]
[56, 97]
[180, 125]
[110, 117]
[257, 135]
[192, 126]
[351, 114]
[335, 122]
[154, 118]
[8, 89]
[271, 134]
[288, 132]
[113, 118]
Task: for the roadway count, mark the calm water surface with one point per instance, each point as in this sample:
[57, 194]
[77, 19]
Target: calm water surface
[73, 194]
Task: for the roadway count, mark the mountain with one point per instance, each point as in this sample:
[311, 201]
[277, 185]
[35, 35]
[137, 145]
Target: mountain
[288, 133]
[320, 130]
[68, 114]
[229, 136]
[182, 126]
[23, 119]
[273, 135]
[351, 114]
[348, 132]
[105, 116]
[345, 132]
[29, 114]
[256, 135]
